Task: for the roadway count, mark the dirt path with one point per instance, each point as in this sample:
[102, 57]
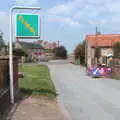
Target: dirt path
[36, 108]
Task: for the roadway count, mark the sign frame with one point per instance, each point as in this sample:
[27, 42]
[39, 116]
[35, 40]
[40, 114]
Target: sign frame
[27, 37]
[11, 37]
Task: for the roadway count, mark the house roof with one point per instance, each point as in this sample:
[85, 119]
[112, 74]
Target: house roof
[47, 45]
[30, 45]
[103, 40]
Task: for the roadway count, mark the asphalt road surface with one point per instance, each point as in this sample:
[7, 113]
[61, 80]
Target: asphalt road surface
[84, 98]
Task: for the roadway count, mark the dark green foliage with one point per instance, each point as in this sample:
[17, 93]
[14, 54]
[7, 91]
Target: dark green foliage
[116, 48]
[2, 43]
[3, 48]
[19, 52]
[60, 52]
[48, 50]
[29, 45]
[80, 52]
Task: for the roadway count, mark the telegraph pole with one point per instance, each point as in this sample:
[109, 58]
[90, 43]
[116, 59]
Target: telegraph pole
[58, 43]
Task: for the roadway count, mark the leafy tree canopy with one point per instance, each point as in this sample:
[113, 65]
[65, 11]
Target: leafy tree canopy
[19, 52]
[60, 52]
[80, 52]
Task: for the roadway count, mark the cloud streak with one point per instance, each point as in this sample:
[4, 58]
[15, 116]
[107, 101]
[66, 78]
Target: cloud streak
[27, 2]
[4, 24]
[88, 10]
[63, 20]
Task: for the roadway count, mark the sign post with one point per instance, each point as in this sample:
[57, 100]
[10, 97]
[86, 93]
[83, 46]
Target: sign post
[27, 26]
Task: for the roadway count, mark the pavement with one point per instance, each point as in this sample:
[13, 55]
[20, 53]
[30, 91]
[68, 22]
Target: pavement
[82, 97]
[36, 108]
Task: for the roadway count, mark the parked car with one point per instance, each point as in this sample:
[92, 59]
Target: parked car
[99, 71]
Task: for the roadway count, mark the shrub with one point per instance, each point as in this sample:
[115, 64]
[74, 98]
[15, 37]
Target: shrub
[60, 52]
[80, 52]
[19, 52]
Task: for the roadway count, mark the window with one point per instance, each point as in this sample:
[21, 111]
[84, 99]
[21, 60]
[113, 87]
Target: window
[104, 60]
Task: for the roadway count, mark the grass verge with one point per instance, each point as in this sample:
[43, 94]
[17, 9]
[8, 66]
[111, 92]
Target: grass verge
[115, 78]
[37, 81]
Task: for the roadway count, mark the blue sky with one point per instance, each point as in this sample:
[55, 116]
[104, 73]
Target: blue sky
[69, 20]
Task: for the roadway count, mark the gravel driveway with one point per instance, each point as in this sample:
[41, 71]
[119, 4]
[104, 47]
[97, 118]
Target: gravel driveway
[84, 98]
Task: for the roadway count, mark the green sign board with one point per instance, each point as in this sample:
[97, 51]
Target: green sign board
[27, 25]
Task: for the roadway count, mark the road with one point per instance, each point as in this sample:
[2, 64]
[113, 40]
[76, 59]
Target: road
[84, 98]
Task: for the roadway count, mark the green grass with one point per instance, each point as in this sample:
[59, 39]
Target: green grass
[37, 81]
[115, 77]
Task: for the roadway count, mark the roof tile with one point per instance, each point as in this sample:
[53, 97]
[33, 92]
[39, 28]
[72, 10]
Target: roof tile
[103, 40]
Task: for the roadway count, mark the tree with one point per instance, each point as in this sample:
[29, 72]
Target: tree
[60, 52]
[97, 54]
[48, 50]
[80, 52]
[2, 43]
[19, 52]
[3, 48]
[116, 49]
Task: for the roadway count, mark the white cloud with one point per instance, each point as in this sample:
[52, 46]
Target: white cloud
[73, 6]
[97, 22]
[60, 9]
[63, 20]
[4, 24]
[67, 8]
[89, 11]
[80, 8]
[27, 2]
[113, 6]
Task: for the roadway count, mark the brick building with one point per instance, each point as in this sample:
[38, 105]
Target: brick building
[35, 51]
[105, 42]
[48, 45]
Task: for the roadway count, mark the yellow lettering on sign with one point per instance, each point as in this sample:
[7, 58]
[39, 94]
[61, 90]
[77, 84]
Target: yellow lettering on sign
[22, 20]
[20, 17]
[32, 30]
[27, 25]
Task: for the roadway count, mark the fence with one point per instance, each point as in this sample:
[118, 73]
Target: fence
[4, 82]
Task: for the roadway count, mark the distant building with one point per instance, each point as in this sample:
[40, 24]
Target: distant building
[48, 45]
[105, 43]
[35, 51]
